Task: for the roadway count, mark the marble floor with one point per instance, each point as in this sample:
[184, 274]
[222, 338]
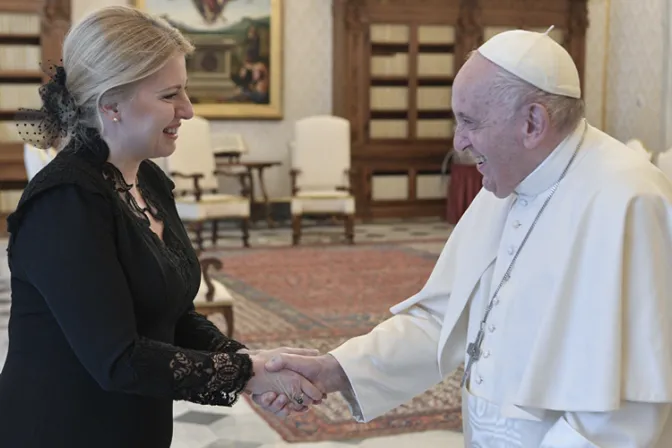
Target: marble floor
[199, 426]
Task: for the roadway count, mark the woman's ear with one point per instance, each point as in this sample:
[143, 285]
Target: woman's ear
[110, 111]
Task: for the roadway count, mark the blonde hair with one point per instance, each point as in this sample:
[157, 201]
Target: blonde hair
[111, 49]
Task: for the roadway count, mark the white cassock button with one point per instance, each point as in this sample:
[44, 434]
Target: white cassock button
[492, 328]
[479, 380]
[523, 202]
[511, 250]
[516, 224]
[486, 353]
[496, 301]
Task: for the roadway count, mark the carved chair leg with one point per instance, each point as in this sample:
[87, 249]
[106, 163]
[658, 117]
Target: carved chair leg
[296, 230]
[198, 228]
[245, 227]
[214, 232]
[350, 228]
[228, 317]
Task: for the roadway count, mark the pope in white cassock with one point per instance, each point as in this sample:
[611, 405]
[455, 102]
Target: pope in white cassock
[554, 288]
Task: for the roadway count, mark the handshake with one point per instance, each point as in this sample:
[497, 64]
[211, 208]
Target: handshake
[288, 380]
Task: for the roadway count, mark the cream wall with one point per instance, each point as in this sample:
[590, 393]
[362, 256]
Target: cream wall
[628, 55]
[307, 83]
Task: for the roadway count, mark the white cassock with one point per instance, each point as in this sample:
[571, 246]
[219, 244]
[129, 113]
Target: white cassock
[578, 346]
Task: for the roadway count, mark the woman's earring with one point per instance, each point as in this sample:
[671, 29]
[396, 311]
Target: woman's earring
[115, 119]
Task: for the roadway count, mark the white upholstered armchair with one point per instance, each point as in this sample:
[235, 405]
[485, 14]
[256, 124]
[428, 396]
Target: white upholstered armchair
[193, 169]
[320, 171]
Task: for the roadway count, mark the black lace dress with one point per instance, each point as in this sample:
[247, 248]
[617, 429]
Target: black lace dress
[103, 332]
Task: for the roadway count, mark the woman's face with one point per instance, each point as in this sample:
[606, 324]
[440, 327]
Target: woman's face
[149, 119]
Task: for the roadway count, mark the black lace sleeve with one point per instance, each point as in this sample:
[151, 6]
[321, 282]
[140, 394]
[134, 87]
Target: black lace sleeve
[65, 248]
[196, 331]
[164, 370]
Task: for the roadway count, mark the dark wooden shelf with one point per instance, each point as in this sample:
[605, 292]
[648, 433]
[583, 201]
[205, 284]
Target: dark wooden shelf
[435, 81]
[6, 115]
[20, 76]
[436, 48]
[389, 114]
[438, 114]
[383, 49]
[389, 81]
[435, 114]
[402, 81]
[20, 39]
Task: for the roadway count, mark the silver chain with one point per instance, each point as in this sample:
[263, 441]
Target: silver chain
[507, 274]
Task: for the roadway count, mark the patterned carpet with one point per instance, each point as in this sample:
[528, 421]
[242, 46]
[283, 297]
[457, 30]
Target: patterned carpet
[320, 296]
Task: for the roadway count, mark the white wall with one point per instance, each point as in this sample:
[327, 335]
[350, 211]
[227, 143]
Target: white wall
[626, 61]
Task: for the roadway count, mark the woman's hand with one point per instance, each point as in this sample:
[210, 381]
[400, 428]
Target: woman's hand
[270, 353]
[281, 401]
[297, 388]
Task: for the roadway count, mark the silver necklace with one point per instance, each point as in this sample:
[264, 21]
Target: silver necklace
[474, 348]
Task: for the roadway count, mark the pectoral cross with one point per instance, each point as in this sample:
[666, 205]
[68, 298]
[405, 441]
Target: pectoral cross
[474, 352]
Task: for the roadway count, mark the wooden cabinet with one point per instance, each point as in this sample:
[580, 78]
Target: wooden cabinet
[394, 64]
[31, 31]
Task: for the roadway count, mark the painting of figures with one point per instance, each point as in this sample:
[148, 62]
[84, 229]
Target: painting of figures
[236, 69]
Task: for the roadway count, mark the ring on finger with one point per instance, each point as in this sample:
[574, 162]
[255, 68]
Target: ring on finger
[299, 399]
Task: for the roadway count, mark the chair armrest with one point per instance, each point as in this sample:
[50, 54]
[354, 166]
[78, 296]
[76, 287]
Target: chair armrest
[349, 173]
[196, 177]
[293, 174]
[244, 178]
[206, 264]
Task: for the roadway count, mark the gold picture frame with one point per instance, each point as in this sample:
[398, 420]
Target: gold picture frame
[256, 94]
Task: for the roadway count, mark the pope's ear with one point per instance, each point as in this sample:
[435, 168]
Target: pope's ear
[537, 123]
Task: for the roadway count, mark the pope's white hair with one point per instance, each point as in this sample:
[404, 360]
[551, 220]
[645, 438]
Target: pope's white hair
[513, 93]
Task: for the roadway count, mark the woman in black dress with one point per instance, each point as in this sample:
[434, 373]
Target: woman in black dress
[103, 332]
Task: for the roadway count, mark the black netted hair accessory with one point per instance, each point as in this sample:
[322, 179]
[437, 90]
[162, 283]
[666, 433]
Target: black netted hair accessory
[44, 128]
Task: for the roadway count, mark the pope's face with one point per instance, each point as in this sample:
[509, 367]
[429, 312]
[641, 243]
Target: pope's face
[486, 128]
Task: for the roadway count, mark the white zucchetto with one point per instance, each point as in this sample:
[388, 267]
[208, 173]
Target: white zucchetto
[535, 58]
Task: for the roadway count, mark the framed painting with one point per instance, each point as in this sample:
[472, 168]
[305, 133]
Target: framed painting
[236, 70]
